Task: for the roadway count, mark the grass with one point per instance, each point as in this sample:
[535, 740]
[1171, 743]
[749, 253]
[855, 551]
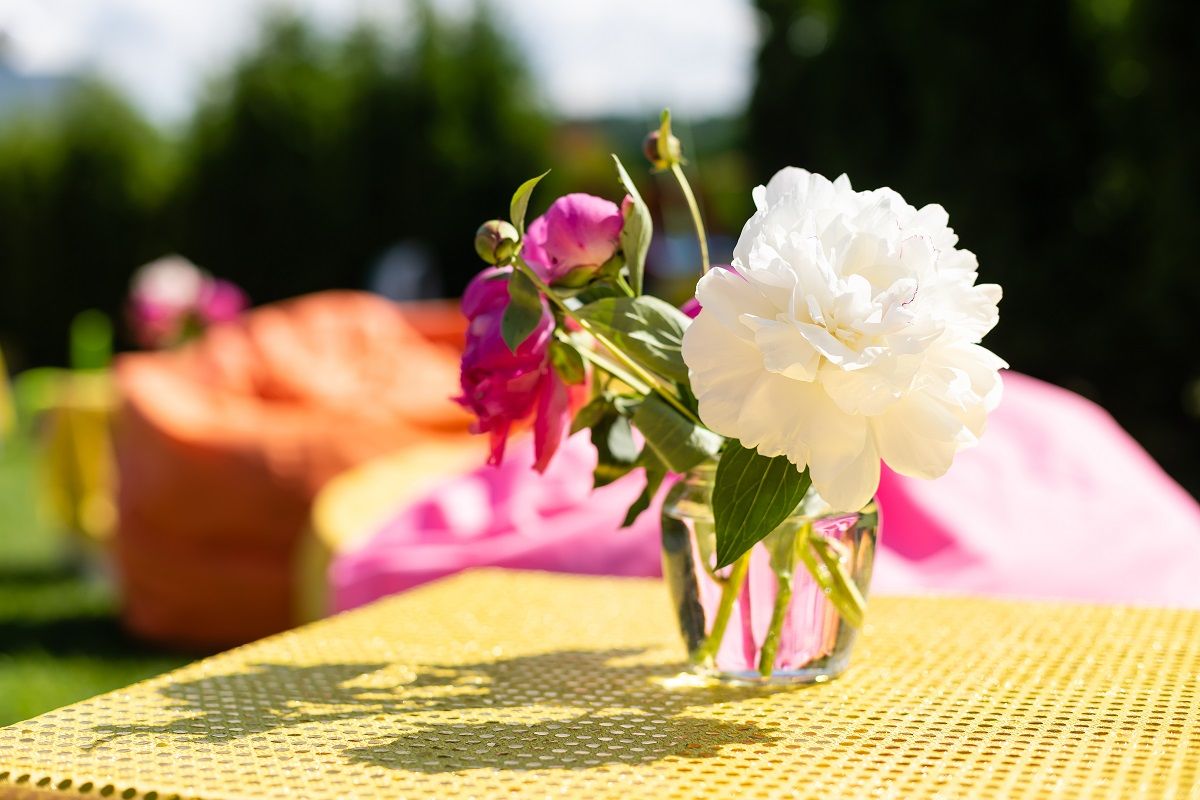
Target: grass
[60, 638]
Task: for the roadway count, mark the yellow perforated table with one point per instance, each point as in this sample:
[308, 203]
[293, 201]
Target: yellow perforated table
[502, 684]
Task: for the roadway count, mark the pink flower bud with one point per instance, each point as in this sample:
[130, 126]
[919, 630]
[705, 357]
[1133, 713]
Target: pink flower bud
[501, 387]
[576, 236]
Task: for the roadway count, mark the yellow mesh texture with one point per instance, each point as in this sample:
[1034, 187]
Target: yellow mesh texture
[500, 684]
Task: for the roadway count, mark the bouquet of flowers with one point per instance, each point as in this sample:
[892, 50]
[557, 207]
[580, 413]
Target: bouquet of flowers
[845, 332]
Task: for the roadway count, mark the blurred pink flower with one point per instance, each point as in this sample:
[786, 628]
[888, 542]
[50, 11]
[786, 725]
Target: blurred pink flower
[220, 301]
[171, 299]
[576, 235]
[501, 387]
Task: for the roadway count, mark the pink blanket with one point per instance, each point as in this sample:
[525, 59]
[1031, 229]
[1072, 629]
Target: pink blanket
[506, 516]
[1057, 502]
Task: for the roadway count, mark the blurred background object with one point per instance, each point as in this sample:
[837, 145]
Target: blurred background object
[294, 146]
[171, 301]
[69, 412]
[222, 445]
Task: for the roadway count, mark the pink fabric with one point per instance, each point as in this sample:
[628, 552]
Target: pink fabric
[1057, 502]
[507, 516]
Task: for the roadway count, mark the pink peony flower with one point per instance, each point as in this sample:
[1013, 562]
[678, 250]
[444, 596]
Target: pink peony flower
[501, 387]
[171, 299]
[576, 235]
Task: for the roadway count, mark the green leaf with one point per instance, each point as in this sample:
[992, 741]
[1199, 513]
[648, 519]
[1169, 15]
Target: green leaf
[656, 471]
[752, 495]
[524, 312]
[567, 362]
[647, 329]
[679, 443]
[520, 202]
[616, 450]
[637, 230]
[615, 370]
[595, 291]
[611, 269]
[596, 409]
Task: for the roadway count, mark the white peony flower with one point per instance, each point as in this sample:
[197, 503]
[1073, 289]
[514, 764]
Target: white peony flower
[848, 331]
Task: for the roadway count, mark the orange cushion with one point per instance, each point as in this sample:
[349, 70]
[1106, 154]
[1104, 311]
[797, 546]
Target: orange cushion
[222, 445]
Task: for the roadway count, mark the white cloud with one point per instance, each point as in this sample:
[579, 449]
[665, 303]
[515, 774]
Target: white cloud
[590, 56]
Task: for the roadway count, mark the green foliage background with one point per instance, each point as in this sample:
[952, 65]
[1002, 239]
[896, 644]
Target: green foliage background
[299, 169]
[60, 638]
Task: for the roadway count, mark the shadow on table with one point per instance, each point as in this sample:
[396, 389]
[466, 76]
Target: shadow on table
[580, 742]
[581, 709]
[264, 698]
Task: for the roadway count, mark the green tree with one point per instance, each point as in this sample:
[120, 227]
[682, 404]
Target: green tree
[301, 166]
[78, 192]
[314, 155]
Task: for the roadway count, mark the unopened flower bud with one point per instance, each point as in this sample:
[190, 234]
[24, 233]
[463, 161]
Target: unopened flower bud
[652, 148]
[496, 241]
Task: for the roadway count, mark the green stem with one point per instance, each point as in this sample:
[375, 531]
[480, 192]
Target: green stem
[843, 590]
[785, 545]
[634, 368]
[614, 370]
[729, 592]
[783, 598]
[713, 576]
[694, 207]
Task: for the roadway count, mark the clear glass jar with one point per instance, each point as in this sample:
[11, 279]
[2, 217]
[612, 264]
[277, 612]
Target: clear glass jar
[786, 612]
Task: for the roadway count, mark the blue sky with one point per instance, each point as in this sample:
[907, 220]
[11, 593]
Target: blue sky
[589, 56]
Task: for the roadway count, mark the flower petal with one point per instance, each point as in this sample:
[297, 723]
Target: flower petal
[918, 436]
[842, 458]
[497, 439]
[553, 414]
[726, 295]
[721, 366]
[869, 391]
[784, 349]
[760, 424]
